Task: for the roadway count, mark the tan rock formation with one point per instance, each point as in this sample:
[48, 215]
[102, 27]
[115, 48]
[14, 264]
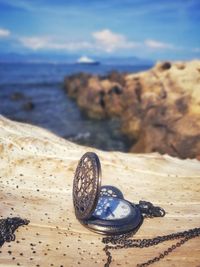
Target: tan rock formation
[97, 96]
[36, 178]
[159, 108]
[169, 102]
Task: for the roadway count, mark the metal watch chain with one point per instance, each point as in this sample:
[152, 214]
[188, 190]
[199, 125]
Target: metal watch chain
[148, 210]
[7, 228]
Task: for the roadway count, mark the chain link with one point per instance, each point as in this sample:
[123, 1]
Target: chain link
[8, 227]
[148, 210]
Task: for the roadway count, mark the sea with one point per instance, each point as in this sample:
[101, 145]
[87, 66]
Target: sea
[34, 93]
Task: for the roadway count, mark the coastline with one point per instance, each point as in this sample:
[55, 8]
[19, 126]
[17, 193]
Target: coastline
[159, 108]
[33, 93]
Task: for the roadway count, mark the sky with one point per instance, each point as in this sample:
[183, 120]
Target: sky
[152, 29]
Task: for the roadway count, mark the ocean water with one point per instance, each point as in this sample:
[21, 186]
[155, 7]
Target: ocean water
[33, 93]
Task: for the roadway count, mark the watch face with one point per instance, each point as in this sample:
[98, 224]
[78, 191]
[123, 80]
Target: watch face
[113, 215]
[112, 208]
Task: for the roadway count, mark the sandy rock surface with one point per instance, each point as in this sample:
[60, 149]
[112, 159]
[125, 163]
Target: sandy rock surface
[159, 108]
[37, 170]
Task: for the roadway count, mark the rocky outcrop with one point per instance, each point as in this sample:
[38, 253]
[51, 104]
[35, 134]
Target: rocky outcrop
[159, 109]
[100, 93]
[37, 170]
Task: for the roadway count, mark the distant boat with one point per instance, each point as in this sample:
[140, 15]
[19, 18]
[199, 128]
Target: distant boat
[87, 61]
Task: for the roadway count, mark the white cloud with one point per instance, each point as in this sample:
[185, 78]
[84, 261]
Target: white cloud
[104, 40]
[38, 43]
[34, 43]
[109, 41]
[157, 45]
[4, 33]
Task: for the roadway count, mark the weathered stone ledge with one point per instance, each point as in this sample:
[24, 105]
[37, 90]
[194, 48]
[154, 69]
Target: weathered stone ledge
[37, 170]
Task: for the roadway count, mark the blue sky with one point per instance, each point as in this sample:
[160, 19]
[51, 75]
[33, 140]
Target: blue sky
[153, 29]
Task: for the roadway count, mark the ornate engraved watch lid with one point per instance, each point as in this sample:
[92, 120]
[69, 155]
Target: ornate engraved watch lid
[86, 185]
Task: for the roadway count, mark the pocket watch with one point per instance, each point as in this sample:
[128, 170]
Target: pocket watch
[101, 209]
